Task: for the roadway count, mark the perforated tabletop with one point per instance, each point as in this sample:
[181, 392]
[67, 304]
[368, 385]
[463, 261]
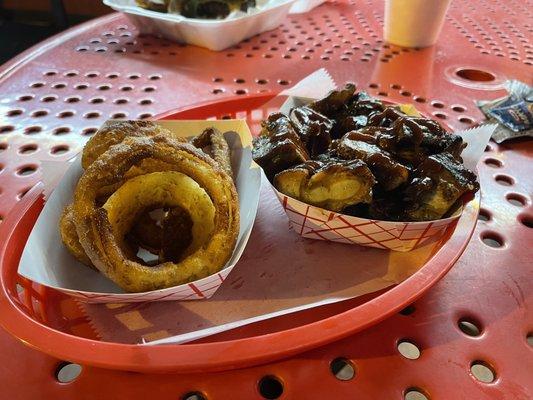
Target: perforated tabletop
[469, 338]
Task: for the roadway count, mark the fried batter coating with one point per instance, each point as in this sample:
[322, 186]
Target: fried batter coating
[333, 184]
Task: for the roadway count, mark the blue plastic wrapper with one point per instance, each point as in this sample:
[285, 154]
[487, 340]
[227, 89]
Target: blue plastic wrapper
[513, 113]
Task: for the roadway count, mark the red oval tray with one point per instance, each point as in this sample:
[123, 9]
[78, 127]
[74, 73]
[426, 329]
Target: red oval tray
[41, 317]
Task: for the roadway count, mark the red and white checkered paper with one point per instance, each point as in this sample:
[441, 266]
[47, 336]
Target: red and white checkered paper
[317, 223]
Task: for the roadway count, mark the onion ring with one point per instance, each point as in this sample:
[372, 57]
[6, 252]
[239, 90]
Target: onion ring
[115, 132]
[97, 236]
[219, 149]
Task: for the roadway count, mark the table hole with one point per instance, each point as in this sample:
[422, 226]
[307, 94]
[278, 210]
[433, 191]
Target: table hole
[218, 80]
[154, 77]
[73, 99]
[39, 113]
[59, 85]
[325, 58]
[458, 108]
[267, 55]
[101, 49]
[415, 394]
[408, 349]
[241, 91]
[81, 86]
[482, 371]
[48, 99]
[384, 94]
[50, 73]
[145, 115]
[65, 114]
[96, 100]
[529, 339]
[62, 130]
[373, 85]
[14, 113]
[342, 369]
[469, 327]
[58, 150]
[92, 74]
[526, 220]
[26, 97]
[30, 130]
[217, 91]
[395, 86]
[504, 180]
[405, 93]
[37, 84]
[437, 104]
[70, 74]
[492, 239]
[104, 87]
[28, 149]
[410, 309]
[440, 115]
[92, 114]
[118, 115]
[121, 101]
[89, 131]
[283, 82]
[149, 89]
[249, 55]
[112, 75]
[484, 215]
[270, 387]
[22, 193]
[516, 199]
[67, 372]
[26, 170]
[193, 396]
[145, 102]
[466, 120]
[261, 81]
[419, 99]
[112, 41]
[126, 88]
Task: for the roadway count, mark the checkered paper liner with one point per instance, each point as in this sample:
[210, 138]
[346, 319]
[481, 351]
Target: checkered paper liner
[316, 223]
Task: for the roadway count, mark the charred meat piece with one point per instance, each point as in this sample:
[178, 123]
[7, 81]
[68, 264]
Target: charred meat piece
[279, 147]
[335, 102]
[314, 129]
[333, 185]
[359, 145]
[355, 115]
[437, 184]
[208, 9]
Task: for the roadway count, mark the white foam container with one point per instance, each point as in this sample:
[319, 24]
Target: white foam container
[212, 34]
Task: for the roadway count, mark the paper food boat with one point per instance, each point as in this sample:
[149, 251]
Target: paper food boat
[45, 260]
[320, 224]
[216, 34]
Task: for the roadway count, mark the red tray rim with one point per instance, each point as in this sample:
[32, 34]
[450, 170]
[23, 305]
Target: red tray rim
[223, 355]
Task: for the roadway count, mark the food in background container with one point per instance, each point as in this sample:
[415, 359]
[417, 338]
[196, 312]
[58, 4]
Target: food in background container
[209, 25]
[208, 9]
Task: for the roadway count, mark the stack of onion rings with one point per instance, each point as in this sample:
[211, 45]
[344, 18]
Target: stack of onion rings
[128, 176]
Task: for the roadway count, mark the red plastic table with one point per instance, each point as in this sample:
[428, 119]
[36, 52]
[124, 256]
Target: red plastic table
[469, 338]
